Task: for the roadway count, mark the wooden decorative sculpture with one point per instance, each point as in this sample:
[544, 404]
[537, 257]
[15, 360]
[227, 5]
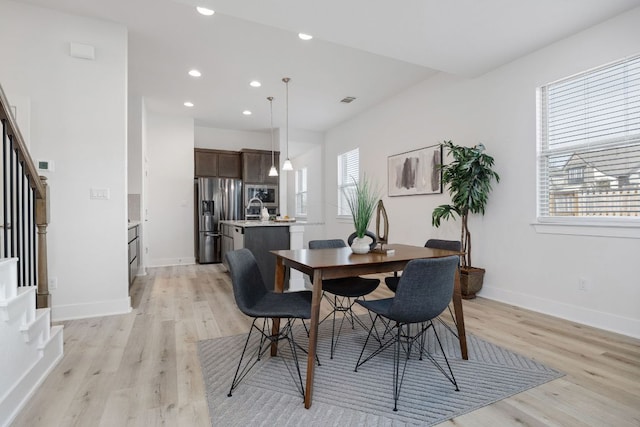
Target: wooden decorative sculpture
[383, 238]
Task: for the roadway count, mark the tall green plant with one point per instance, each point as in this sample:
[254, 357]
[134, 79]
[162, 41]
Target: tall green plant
[468, 179]
[362, 200]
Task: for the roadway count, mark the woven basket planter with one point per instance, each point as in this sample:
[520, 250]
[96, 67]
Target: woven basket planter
[471, 279]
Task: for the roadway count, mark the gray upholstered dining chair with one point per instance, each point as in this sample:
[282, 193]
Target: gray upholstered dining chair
[424, 291]
[255, 300]
[449, 245]
[343, 292]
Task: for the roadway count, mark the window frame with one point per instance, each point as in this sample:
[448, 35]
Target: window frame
[618, 226]
[301, 193]
[348, 166]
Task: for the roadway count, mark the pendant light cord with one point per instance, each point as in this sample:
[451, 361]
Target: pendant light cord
[273, 171]
[287, 83]
[271, 110]
[287, 166]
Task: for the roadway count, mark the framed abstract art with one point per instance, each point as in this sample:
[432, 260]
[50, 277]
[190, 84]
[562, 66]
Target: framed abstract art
[415, 172]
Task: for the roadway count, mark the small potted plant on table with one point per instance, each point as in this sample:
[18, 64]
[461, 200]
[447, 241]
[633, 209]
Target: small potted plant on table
[362, 200]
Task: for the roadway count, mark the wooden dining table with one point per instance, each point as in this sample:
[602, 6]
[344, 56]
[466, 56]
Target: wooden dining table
[322, 264]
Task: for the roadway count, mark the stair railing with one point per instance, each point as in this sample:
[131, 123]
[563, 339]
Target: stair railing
[24, 209]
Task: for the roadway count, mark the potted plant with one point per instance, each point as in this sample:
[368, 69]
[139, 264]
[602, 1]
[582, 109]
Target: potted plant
[468, 179]
[362, 200]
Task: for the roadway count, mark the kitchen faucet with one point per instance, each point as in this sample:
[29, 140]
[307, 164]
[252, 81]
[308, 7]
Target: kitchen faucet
[247, 214]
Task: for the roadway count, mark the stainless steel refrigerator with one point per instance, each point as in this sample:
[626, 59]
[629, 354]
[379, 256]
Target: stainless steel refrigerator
[217, 199]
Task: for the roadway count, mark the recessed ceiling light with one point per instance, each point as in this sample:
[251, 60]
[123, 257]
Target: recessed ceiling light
[255, 83]
[304, 36]
[246, 112]
[195, 73]
[188, 104]
[204, 11]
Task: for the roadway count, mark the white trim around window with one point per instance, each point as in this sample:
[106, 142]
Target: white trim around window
[348, 177]
[589, 152]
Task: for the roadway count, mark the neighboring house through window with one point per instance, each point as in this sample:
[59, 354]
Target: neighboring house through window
[301, 192]
[348, 176]
[589, 144]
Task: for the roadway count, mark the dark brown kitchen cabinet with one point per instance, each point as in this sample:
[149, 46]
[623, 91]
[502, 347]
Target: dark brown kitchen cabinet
[217, 163]
[256, 165]
[206, 163]
[229, 165]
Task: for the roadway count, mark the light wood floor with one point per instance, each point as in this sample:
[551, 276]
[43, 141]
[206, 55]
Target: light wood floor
[142, 369]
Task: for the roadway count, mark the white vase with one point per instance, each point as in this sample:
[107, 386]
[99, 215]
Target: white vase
[264, 215]
[360, 245]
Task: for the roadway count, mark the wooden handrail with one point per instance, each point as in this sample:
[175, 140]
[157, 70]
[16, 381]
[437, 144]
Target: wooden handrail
[40, 204]
[20, 146]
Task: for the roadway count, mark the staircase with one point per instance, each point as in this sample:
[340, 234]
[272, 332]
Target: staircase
[31, 347]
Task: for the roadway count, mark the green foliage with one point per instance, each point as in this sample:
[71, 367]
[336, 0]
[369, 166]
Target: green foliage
[362, 201]
[468, 180]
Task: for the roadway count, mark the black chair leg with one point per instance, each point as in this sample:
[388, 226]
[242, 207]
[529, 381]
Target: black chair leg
[449, 376]
[266, 339]
[452, 379]
[396, 369]
[292, 347]
[403, 341]
[361, 362]
[237, 380]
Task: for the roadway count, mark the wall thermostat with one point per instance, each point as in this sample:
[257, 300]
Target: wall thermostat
[45, 165]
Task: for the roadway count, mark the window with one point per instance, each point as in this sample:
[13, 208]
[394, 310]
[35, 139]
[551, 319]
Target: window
[576, 175]
[589, 144]
[301, 192]
[348, 171]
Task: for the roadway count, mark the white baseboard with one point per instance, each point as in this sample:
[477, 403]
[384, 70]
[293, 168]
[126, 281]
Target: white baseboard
[91, 309]
[168, 262]
[594, 318]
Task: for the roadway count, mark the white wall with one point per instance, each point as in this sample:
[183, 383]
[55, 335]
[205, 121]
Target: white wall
[304, 150]
[78, 119]
[169, 226]
[313, 160]
[537, 271]
[134, 146]
[233, 140]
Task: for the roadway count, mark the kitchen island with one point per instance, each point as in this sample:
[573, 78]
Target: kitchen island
[261, 237]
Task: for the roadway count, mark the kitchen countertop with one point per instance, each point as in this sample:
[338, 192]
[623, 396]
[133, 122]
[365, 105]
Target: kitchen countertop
[256, 223]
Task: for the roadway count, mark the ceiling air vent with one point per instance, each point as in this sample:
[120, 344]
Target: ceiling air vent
[348, 99]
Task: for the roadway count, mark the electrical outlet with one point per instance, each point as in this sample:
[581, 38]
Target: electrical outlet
[583, 284]
[53, 283]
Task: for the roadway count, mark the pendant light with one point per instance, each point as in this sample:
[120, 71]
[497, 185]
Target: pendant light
[287, 166]
[273, 171]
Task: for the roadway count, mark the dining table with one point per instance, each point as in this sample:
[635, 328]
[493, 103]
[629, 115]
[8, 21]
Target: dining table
[322, 264]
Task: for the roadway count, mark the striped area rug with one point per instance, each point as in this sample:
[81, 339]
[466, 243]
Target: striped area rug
[268, 395]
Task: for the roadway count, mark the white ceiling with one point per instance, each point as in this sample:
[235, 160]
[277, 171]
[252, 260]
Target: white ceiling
[369, 49]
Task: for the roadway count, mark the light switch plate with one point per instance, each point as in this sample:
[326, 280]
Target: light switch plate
[99, 194]
[82, 51]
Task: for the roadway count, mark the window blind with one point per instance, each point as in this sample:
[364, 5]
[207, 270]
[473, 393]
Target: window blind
[301, 192]
[589, 143]
[348, 176]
